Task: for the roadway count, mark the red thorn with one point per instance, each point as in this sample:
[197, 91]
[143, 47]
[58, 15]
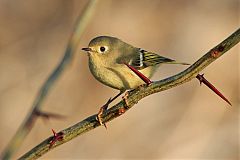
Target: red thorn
[204, 81]
[139, 74]
[56, 137]
[200, 78]
[215, 53]
[121, 111]
[54, 133]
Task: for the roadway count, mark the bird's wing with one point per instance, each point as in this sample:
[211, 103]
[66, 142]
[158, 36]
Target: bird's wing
[145, 59]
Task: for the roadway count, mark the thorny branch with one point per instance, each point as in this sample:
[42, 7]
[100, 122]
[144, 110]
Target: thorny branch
[136, 95]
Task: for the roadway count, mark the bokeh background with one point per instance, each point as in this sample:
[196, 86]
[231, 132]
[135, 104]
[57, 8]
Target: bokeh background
[186, 122]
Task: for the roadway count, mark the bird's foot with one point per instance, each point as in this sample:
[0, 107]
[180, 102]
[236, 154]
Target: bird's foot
[102, 110]
[144, 85]
[125, 99]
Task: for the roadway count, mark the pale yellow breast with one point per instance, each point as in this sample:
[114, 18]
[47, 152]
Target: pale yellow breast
[117, 76]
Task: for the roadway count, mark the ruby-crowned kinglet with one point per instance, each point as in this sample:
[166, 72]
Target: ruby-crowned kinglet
[107, 59]
[110, 60]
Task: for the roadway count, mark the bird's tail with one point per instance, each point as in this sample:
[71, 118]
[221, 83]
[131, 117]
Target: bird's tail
[175, 62]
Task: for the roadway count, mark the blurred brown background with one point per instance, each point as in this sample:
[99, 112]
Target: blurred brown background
[186, 122]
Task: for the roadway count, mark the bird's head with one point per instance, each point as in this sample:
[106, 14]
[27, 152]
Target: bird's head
[103, 45]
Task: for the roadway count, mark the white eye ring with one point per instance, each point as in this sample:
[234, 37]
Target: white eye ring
[103, 49]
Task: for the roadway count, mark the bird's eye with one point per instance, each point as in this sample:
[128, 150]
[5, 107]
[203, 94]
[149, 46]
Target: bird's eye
[102, 49]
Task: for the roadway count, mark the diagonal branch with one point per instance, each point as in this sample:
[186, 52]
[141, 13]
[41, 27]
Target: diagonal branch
[26, 126]
[134, 96]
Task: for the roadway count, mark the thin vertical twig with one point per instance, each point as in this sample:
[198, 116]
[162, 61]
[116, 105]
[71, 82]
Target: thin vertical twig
[26, 126]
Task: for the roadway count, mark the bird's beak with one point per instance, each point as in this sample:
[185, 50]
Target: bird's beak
[86, 49]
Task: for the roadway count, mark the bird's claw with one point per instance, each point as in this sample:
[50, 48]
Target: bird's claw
[125, 99]
[102, 110]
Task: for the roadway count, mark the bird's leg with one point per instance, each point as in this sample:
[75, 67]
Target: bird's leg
[104, 108]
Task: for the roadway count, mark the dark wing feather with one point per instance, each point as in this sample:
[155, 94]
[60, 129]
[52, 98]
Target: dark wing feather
[145, 59]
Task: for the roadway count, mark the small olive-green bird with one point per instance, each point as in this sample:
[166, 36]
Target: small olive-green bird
[108, 57]
[109, 61]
